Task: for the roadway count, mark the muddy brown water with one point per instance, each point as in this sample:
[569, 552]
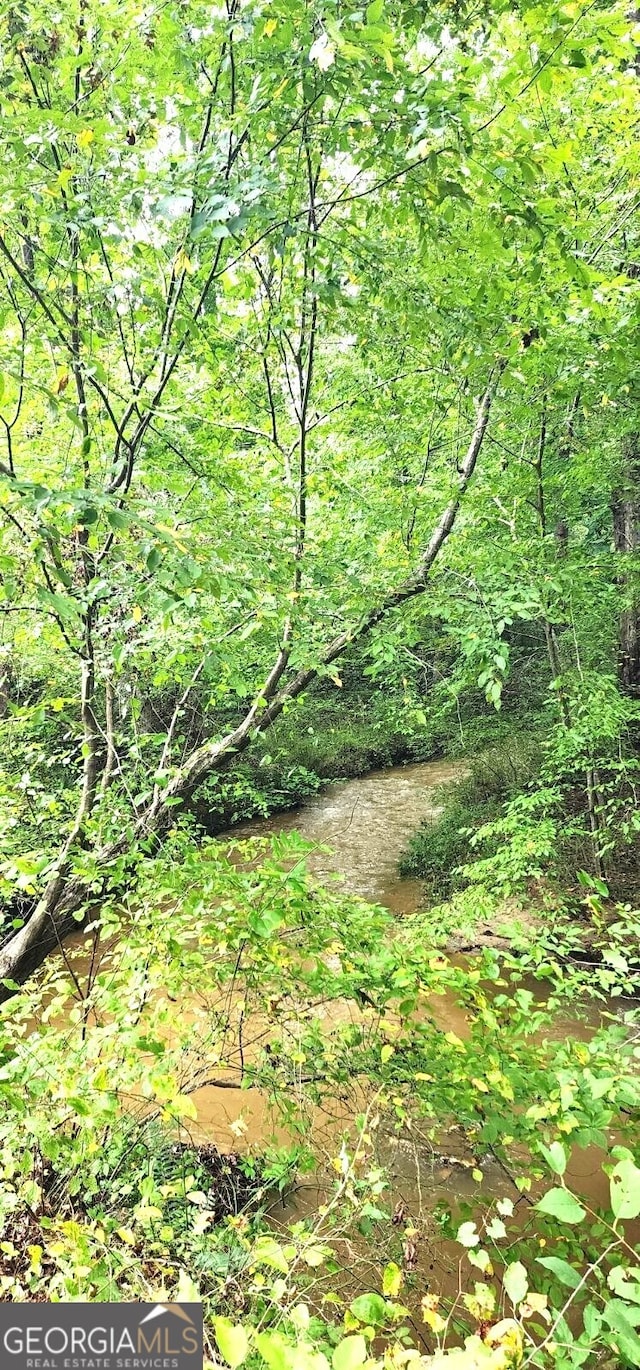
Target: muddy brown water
[367, 824]
[358, 830]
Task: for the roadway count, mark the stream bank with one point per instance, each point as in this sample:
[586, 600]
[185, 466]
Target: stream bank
[356, 831]
[336, 735]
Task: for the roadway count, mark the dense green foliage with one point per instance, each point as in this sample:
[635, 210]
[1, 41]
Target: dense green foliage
[105, 1196]
[321, 450]
[441, 847]
[326, 738]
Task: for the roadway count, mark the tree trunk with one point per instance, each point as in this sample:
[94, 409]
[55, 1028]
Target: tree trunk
[626, 537]
[5, 686]
[65, 894]
[594, 801]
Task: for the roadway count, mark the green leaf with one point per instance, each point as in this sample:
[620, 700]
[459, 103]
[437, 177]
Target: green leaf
[561, 1204]
[273, 1349]
[592, 1319]
[624, 1186]
[267, 1251]
[563, 1272]
[598, 1086]
[616, 1315]
[577, 58]
[496, 1229]
[625, 1282]
[370, 1308]
[453, 189]
[80, 1106]
[349, 1353]
[391, 1280]
[467, 1235]
[233, 1343]
[266, 922]
[556, 1157]
[66, 608]
[516, 1281]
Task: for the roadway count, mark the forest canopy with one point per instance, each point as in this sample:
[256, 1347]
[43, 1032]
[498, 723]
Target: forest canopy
[260, 268]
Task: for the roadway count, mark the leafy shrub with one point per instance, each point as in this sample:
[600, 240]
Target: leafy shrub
[442, 846]
[324, 740]
[245, 792]
[103, 1198]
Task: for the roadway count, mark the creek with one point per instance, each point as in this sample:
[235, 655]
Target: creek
[358, 830]
[367, 824]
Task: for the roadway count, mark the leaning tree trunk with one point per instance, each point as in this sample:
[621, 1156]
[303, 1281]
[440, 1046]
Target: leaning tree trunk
[626, 537]
[65, 894]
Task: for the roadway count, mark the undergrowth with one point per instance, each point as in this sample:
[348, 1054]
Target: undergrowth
[443, 845]
[324, 739]
[107, 1195]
